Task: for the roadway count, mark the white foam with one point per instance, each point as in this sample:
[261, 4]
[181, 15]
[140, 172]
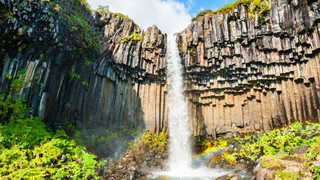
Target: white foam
[180, 154]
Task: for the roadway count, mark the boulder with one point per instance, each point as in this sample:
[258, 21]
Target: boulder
[282, 166]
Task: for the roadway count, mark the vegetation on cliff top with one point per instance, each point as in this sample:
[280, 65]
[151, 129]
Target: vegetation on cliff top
[261, 7]
[81, 30]
[105, 10]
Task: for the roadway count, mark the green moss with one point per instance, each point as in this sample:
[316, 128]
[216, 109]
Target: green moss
[287, 175]
[85, 83]
[103, 9]
[88, 63]
[314, 151]
[83, 36]
[80, 27]
[133, 37]
[123, 16]
[316, 172]
[262, 7]
[203, 13]
[272, 162]
[75, 75]
[248, 149]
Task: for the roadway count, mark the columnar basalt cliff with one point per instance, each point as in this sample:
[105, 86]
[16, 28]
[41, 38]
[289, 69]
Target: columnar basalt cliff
[91, 70]
[245, 73]
[132, 71]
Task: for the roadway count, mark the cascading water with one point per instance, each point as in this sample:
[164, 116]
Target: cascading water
[180, 153]
[180, 157]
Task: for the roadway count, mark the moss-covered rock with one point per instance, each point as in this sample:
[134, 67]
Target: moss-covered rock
[295, 146]
[284, 167]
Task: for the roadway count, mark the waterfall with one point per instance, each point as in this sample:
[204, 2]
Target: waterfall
[180, 153]
[180, 156]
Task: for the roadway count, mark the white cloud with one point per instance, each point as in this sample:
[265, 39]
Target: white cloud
[170, 16]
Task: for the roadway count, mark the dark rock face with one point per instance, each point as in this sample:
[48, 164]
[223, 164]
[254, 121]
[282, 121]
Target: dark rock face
[38, 40]
[245, 74]
[101, 70]
[133, 67]
[95, 71]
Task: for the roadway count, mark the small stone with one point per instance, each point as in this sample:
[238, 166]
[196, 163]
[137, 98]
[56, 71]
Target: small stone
[63, 158]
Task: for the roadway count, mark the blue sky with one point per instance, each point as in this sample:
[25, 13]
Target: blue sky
[170, 16]
[195, 6]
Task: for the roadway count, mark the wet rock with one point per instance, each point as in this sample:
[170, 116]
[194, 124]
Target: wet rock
[230, 177]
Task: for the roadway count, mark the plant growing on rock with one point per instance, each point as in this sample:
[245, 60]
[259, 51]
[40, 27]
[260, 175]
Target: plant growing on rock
[133, 37]
[261, 7]
[296, 138]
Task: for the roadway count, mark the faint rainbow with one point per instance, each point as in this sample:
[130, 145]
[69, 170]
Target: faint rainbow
[206, 155]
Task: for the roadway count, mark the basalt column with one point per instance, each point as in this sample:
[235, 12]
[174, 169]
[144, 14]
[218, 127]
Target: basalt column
[88, 69]
[247, 73]
[132, 73]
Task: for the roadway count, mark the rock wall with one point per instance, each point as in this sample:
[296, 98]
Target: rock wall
[47, 44]
[96, 71]
[132, 69]
[245, 74]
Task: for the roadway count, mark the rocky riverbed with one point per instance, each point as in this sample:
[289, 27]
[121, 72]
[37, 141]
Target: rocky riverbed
[292, 152]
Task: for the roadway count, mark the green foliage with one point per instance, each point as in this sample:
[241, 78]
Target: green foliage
[316, 172]
[287, 175]
[29, 151]
[249, 149]
[8, 76]
[123, 16]
[85, 83]
[155, 142]
[83, 37]
[18, 82]
[88, 63]
[75, 75]
[83, 3]
[203, 13]
[103, 9]
[262, 7]
[80, 27]
[134, 37]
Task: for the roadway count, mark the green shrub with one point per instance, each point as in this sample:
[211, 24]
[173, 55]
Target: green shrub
[29, 151]
[249, 149]
[80, 31]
